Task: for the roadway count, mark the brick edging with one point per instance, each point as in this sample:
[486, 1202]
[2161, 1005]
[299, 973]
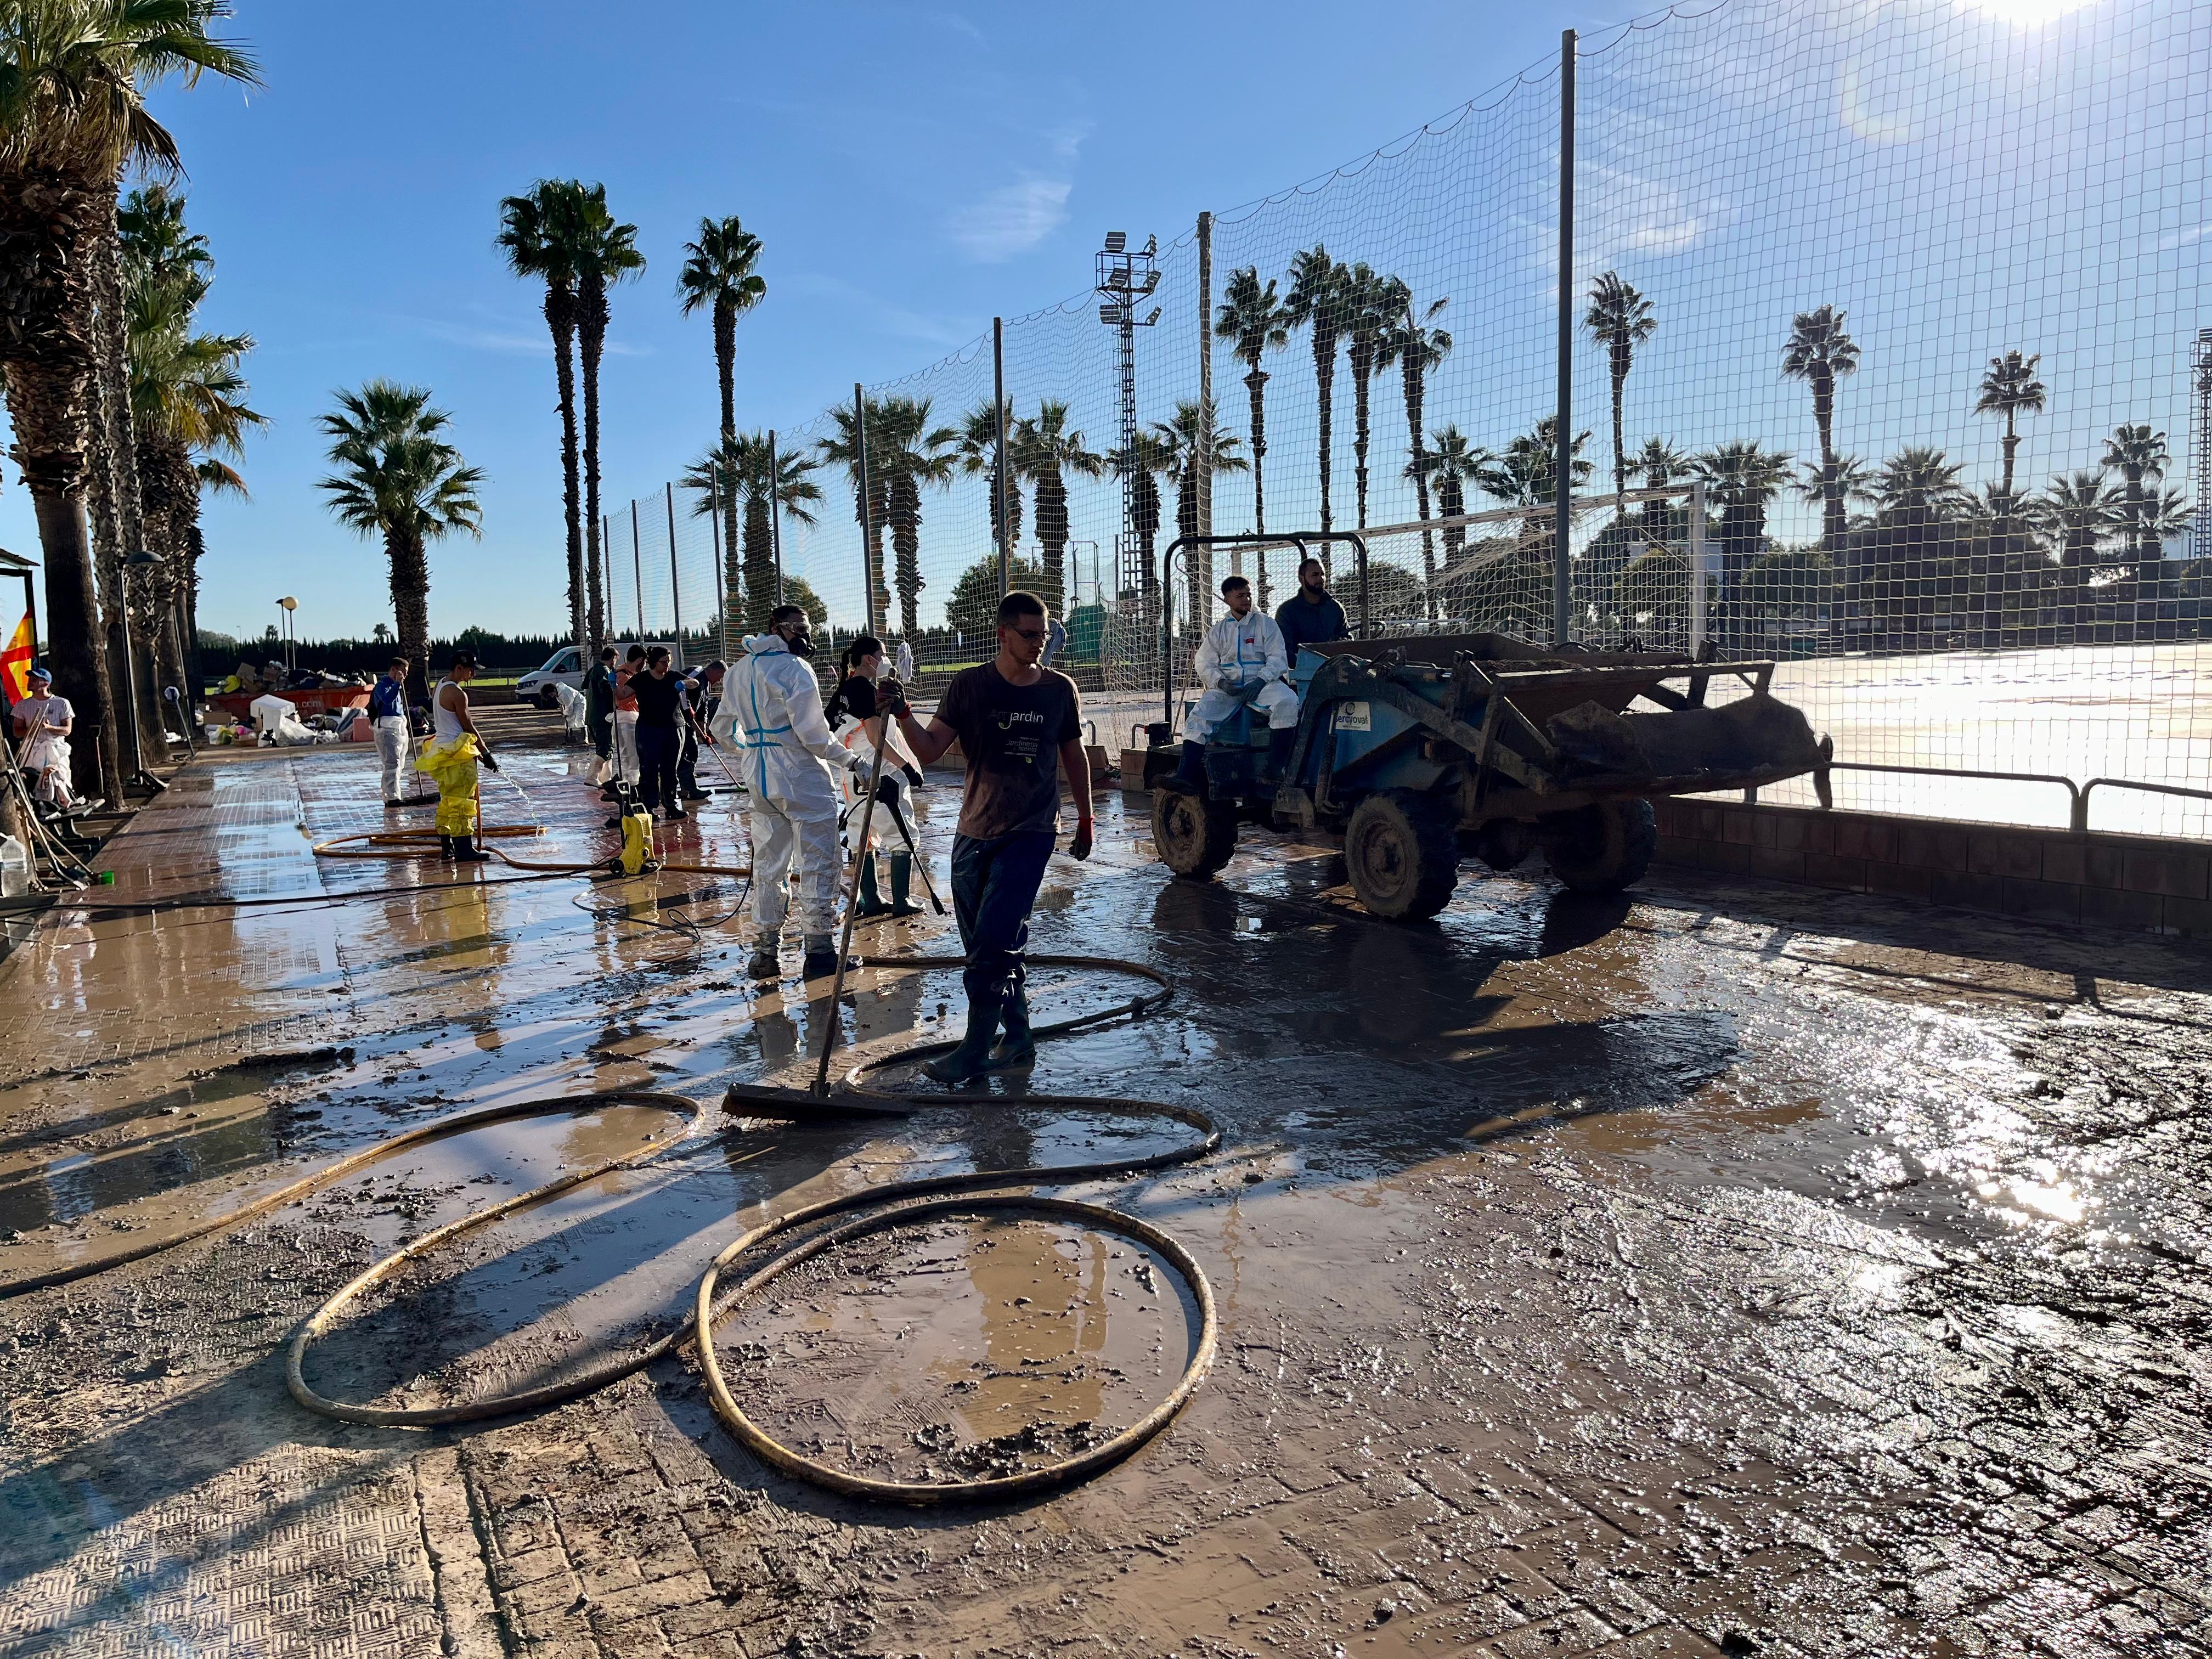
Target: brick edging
[2146, 883]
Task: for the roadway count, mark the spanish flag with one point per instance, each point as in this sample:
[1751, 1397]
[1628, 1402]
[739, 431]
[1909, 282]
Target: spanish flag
[16, 662]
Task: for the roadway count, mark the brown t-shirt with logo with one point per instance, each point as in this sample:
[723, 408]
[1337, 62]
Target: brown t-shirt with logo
[1011, 736]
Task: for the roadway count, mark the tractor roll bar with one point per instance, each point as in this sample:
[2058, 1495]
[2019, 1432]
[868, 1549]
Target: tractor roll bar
[1251, 539]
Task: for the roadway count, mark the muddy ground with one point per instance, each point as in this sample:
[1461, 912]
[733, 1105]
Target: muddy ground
[1727, 1269]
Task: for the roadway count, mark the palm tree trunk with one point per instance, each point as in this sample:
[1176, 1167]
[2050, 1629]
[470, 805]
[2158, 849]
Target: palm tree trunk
[1360, 435]
[725, 366]
[592, 332]
[1416, 391]
[1324, 351]
[1832, 489]
[1257, 385]
[759, 565]
[1052, 535]
[1619, 453]
[410, 602]
[2011, 447]
[561, 318]
[906, 547]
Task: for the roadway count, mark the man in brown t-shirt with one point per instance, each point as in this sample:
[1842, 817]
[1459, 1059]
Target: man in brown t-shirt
[1018, 725]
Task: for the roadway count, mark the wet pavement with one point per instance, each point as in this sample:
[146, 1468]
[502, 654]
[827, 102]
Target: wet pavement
[1729, 1268]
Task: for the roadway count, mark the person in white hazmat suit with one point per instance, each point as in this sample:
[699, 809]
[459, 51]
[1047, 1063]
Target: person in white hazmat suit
[772, 719]
[1240, 660]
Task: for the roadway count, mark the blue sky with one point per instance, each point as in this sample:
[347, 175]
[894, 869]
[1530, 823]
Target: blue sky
[911, 168]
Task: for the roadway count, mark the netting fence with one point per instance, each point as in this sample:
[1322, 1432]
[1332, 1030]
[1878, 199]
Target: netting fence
[1913, 294]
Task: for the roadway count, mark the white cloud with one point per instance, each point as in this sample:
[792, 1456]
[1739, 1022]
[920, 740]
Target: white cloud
[1012, 220]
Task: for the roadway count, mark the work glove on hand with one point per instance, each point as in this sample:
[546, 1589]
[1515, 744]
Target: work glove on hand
[1079, 846]
[484, 755]
[887, 789]
[890, 697]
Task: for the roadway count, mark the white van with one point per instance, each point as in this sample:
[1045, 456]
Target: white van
[565, 667]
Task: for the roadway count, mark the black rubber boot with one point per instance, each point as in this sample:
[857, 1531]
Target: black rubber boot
[973, 1057]
[465, 851]
[1190, 770]
[445, 845]
[1279, 742]
[902, 885]
[821, 959]
[1018, 1046]
[762, 963]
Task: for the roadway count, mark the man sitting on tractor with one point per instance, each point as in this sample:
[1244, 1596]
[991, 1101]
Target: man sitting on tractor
[1240, 660]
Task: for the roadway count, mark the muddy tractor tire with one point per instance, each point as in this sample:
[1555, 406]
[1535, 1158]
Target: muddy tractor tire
[1402, 849]
[1603, 848]
[1193, 837]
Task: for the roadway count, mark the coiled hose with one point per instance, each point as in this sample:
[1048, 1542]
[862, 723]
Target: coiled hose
[892, 1204]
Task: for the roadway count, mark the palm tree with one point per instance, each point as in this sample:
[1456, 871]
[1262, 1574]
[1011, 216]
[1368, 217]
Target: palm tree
[1373, 305]
[1522, 475]
[1185, 442]
[1661, 464]
[1254, 321]
[1046, 453]
[1317, 302]
[2011, 389]
[1452, 462]
[1819, 353]
[911, 453]
[740, 471]
[72, 113]
[1919, 485]
[399, 478]
[1416, 348]
[720, 276]
[976, 448]
[2078, 513]
[540, 234]
[1141, 467]
[1853, 481]
[606, 255]
[845, 448]
[1619, 319]
[2139, 456]
[1741, 480]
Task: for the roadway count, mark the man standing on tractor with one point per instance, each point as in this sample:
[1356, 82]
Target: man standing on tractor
[1240, 660]
[1312, 616]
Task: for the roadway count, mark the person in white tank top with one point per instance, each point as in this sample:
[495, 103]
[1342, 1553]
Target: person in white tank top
[450, 758]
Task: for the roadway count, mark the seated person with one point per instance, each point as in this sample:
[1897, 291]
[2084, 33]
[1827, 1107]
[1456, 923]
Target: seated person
[1241, 659]
[1312, 616]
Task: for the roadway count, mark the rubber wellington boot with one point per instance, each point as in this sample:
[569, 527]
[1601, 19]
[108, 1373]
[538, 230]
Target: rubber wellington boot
[1279, 742]
[762, 963]
[821, 957]
[1018, 1046]
[903, 884]
[445, 846]
[1190, 770]
[465, 851]
[870, 902]
[973, 1057]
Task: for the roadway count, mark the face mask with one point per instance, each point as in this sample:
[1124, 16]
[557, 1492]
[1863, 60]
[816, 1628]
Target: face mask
[883, 669]
[801, 644]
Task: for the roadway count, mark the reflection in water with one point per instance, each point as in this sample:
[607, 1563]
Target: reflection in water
[1042, 1306]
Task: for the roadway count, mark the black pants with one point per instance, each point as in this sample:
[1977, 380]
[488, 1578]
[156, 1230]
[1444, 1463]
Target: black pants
[656, 764]
[687, 763]
[994, 888]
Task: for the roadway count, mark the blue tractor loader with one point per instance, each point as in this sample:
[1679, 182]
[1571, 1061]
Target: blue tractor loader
[1426, 750]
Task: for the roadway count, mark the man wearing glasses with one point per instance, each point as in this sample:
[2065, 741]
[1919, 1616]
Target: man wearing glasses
[1018, 725]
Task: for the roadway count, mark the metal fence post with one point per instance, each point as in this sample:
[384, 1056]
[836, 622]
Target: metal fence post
[675, 582]
[637, 569]
[1563, 461]
[1698, 598]
[999, 455]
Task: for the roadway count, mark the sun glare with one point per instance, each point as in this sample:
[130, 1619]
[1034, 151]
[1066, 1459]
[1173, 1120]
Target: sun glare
[2028, 14]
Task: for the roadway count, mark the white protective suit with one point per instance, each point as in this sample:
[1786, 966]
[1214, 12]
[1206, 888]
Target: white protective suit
[772, 722]
[395, 777]
[1236, 652]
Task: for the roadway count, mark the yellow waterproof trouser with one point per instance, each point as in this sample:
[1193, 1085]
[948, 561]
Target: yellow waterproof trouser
[452, 767]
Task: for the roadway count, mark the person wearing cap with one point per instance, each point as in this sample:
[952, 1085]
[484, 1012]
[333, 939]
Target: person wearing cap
[450, 760]
[387, 715]
[43, 722]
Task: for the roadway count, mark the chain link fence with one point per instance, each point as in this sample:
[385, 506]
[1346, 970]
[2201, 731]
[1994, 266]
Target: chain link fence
[1890, 360]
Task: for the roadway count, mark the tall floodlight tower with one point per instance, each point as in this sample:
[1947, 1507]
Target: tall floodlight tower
[2201, 460]
[1125, 279]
